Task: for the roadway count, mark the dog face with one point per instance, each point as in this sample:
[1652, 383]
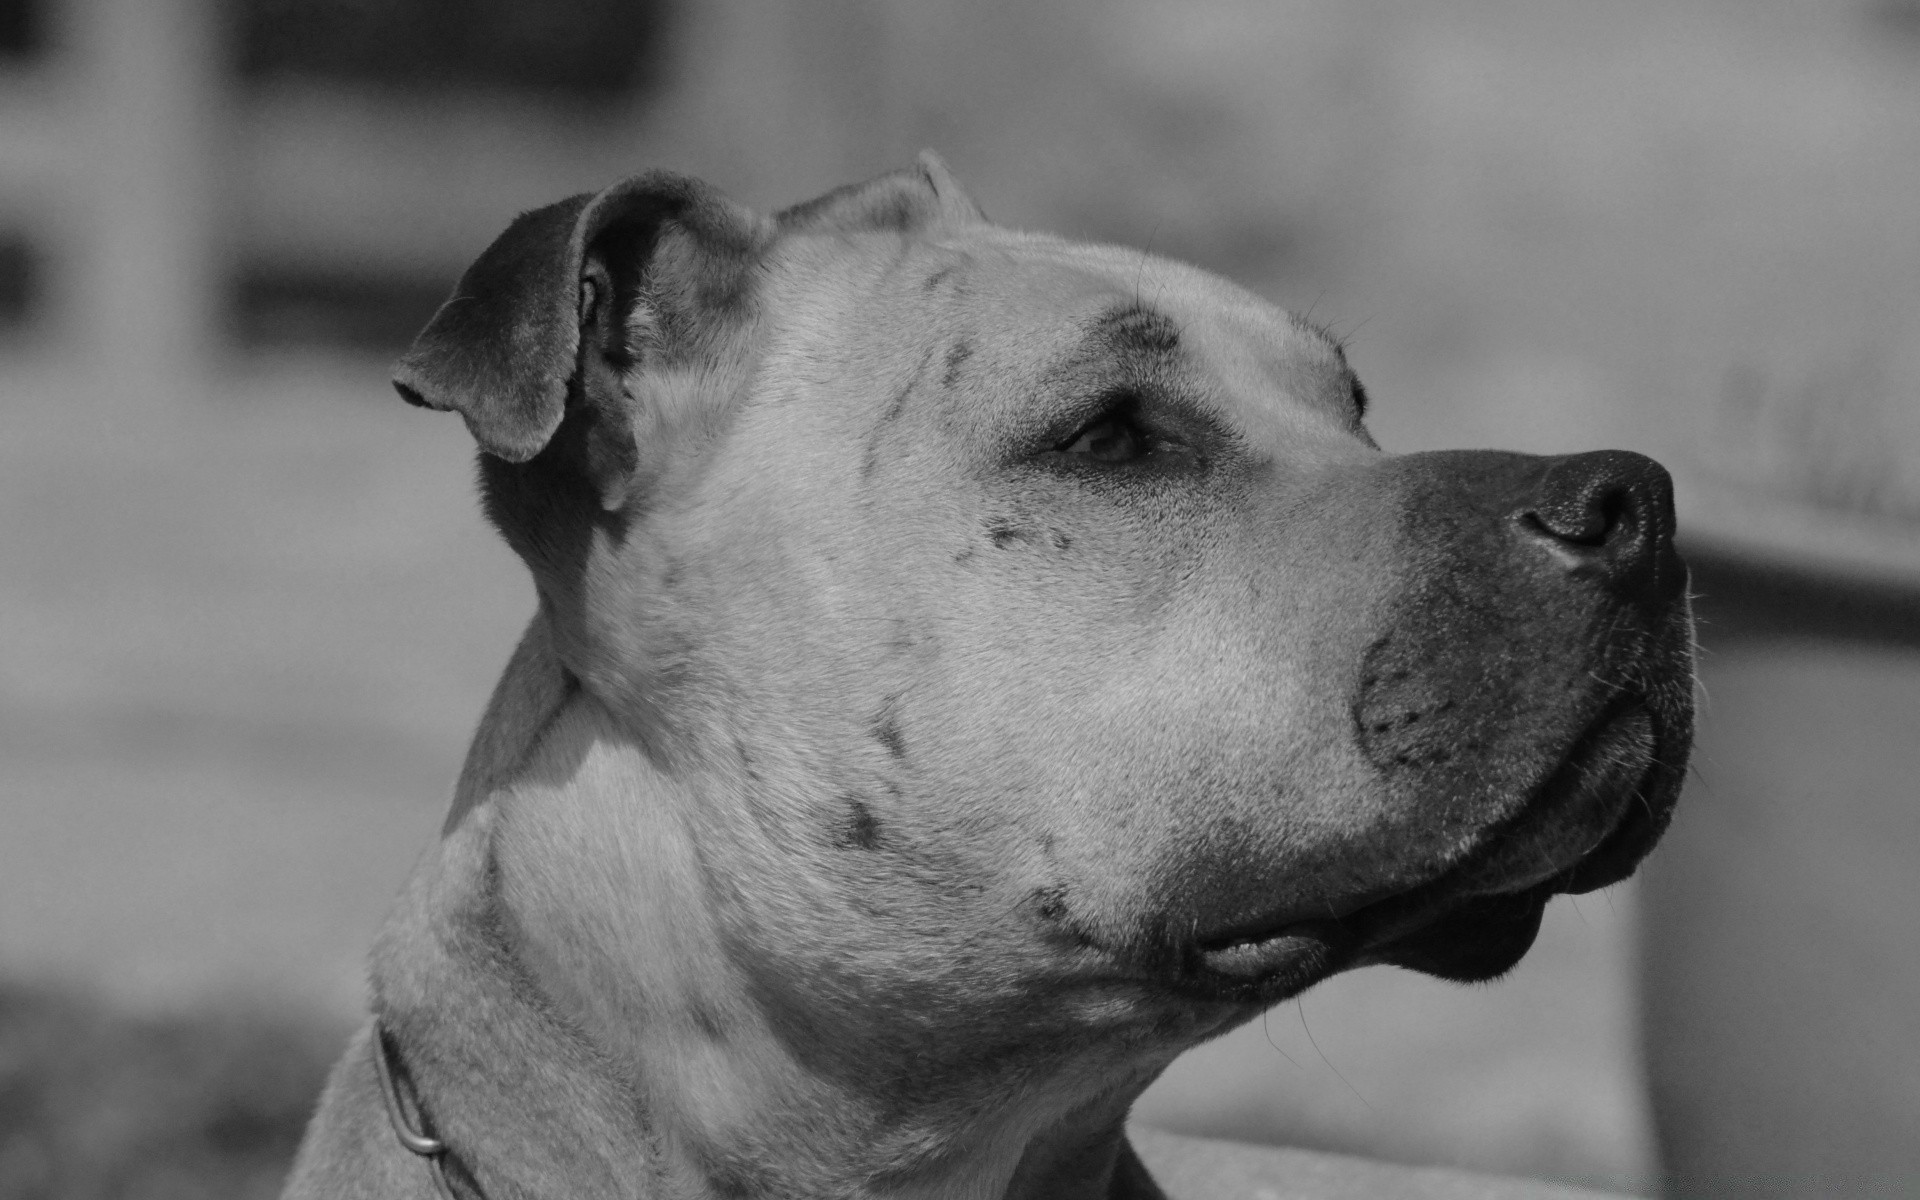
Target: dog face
[1050, 649]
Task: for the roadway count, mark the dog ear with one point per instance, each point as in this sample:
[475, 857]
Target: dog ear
[547, 319]
[911, 198]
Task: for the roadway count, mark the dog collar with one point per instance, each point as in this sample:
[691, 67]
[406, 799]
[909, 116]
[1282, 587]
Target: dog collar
[393, 1077]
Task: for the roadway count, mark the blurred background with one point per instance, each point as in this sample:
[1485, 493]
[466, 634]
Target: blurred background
[249, 611]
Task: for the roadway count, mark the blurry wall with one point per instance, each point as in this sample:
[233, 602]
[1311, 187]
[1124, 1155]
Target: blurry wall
[1782, 963]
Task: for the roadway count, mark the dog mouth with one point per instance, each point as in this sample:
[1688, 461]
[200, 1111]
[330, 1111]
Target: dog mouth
[1587, 825]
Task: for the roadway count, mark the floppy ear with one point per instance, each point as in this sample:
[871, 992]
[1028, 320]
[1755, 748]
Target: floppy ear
[911, 198]
[542, 323]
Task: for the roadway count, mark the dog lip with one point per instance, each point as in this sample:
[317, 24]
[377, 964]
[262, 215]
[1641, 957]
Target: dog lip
[1619, 852]
[1254, 950]
[1263, 926]
[1302, 950]
[1253, 947]
[1573, 812]
[1296, 953]
[1610, 855]
[1357, 928]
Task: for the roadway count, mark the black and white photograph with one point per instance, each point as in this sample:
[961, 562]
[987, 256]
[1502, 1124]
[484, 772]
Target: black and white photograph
[959, 600]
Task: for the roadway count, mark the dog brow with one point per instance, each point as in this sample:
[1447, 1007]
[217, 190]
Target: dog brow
[1139, 328]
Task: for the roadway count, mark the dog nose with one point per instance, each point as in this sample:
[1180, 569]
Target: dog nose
[1607, 511]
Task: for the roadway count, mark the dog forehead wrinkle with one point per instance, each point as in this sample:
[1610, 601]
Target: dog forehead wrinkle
[1271, 375]
[1283, 392]
[1137, 327]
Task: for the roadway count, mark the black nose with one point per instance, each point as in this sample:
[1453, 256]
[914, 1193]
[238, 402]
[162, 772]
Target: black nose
[1608, 512]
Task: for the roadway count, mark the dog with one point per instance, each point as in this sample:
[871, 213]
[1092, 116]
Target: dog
[970, 669]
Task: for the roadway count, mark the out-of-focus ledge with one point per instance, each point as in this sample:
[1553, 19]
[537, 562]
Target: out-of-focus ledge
[1190, 1168]
[1767, 564]
[1768, 529]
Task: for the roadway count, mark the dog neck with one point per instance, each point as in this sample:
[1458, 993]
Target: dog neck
[579, 1020]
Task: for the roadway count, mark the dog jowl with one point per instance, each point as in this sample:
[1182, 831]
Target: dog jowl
[971, 667]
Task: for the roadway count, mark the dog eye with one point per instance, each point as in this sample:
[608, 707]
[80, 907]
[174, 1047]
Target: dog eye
[1113, 438]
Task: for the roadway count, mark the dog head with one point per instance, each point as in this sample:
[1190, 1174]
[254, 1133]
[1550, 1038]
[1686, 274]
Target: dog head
[1044, 644]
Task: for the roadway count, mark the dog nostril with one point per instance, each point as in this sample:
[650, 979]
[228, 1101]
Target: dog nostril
[1592, 520]
[1607, 502]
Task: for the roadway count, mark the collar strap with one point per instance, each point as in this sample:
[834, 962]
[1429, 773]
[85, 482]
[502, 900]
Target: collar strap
[393, 1077]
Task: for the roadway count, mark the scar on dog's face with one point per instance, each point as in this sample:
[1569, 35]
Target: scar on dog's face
[1050, 607]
